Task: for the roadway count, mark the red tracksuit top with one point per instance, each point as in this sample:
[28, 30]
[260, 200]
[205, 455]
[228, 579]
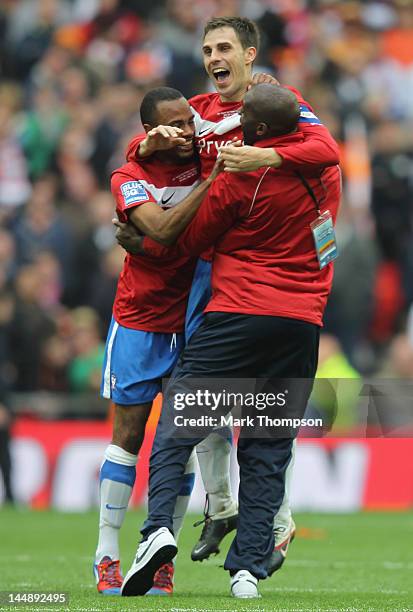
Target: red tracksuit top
[264, 260]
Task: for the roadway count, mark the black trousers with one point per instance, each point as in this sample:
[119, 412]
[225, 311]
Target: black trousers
[235, 346]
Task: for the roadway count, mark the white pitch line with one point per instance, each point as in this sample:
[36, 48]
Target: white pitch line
[333, 590]
[397, 565]
[388, 565]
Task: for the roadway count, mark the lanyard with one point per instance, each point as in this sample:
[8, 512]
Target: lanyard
[310, 190]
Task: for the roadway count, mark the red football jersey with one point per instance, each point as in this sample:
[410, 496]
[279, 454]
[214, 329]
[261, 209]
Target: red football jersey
[265, 261]
[152, 293]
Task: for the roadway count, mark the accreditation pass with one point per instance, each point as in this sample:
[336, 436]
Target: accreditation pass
[324, 239]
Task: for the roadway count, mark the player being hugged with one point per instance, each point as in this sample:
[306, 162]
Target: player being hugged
[159, 196]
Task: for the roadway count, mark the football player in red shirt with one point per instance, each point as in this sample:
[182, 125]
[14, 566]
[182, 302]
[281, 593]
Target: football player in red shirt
[229, 49]
[146, 333]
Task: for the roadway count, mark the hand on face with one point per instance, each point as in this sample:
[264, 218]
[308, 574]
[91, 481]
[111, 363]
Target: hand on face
[164, 137]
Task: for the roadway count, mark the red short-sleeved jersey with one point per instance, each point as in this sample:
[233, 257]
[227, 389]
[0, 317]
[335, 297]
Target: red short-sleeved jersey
[152, 293]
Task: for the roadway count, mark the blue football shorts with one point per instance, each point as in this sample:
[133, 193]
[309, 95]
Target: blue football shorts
[135, 363]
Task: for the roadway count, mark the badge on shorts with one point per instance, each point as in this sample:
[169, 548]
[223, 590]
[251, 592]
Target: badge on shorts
[324, 239]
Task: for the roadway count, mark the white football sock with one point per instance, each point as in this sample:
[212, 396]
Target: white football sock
[214, 460]
[182, 500]
[117, 477]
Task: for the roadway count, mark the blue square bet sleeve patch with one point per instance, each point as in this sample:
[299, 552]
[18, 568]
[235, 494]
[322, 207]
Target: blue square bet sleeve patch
[133, 192]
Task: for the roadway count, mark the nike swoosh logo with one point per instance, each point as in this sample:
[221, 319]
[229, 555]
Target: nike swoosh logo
[203, 131]
[167, 200]
[201, 548]
[138, 558]
[109, 507]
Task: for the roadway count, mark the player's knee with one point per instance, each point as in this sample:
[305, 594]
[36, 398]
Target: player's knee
[129, 426]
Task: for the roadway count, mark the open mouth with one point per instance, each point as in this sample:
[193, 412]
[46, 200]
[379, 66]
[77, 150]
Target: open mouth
[221, 75]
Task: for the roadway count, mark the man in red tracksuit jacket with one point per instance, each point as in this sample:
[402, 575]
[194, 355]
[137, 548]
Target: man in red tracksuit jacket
[263, 321]
[229, 49]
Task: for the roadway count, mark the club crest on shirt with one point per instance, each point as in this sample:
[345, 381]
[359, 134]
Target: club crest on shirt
[133, 192]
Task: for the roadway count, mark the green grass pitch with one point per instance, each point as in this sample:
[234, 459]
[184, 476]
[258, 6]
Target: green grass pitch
[346, 562]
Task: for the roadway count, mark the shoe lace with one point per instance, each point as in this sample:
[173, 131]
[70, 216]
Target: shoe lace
[206, 521]
[110, 573]
[164, 575]
[206, 513]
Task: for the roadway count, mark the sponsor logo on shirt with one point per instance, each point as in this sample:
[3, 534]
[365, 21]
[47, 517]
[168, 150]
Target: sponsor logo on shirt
[306, 116]
[211, 147]
[134, 192]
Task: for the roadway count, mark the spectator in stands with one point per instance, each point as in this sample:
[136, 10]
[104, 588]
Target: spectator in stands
[86, 367]
[30, 327]
[94, 240]
[40, 130]
[43, 227]
[7, 257]
[14, 185]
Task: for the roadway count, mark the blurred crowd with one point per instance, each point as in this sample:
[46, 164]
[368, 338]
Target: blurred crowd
[72, 74]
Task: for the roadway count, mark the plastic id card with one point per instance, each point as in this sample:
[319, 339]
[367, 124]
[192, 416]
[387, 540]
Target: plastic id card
[324, 239]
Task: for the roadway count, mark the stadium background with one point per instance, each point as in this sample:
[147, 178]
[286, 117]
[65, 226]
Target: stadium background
[72, 75]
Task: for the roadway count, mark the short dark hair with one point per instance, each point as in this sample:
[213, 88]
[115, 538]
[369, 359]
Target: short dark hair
[274, 105]
[246, 30]
[151, 100]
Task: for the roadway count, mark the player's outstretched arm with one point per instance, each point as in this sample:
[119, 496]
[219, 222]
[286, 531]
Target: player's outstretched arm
[245, 158]
[319, 149]
[165, 226]
[219, 211]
